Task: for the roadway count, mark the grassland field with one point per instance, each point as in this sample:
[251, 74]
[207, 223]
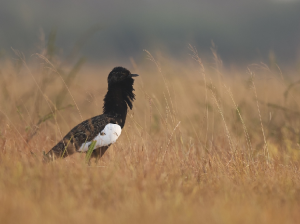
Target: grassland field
[203, 143]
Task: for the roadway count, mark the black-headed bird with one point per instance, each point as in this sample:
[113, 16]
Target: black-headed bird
[106, 128]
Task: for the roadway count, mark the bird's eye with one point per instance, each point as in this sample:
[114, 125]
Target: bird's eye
[102, 133]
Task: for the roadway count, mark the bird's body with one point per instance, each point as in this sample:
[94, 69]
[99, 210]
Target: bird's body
[106, 137]
[105, 128]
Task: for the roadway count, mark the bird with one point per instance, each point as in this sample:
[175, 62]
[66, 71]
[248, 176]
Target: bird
[106, 128]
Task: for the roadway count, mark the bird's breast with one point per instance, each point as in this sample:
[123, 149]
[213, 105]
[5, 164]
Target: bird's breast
[107, 136]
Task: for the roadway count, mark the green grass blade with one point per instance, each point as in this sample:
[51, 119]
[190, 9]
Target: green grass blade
[90, 151]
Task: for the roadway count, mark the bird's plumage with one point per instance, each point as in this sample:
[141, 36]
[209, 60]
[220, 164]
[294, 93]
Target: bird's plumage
[118, 97]
[106, 137]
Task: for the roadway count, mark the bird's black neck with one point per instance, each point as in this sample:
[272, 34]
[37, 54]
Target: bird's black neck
[118, 97]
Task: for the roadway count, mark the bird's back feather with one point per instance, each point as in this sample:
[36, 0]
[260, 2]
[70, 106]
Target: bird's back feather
[86, 131]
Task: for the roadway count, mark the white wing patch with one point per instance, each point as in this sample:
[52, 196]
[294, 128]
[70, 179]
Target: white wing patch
[107, 136]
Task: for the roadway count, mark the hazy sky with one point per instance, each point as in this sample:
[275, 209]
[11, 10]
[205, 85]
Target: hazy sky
[242, 29]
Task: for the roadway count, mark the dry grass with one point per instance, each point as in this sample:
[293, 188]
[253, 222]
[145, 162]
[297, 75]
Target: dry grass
[203, 144]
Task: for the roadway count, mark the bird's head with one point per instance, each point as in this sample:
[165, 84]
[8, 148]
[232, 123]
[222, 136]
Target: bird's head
[119, 74]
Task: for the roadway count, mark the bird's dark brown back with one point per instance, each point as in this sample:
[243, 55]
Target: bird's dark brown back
[86, 131]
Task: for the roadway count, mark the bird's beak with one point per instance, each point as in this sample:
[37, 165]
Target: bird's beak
[134, 75]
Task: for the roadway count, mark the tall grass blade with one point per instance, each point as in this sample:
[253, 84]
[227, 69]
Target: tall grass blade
[90, 151]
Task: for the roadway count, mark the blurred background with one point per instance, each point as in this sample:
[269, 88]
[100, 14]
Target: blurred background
[244, 31]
